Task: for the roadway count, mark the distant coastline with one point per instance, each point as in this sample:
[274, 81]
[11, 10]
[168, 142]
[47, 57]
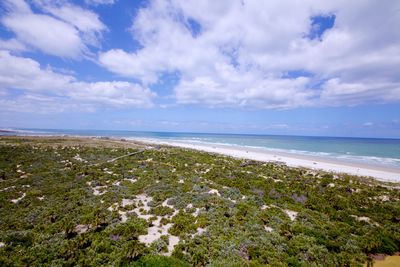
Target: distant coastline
[378, 158]
[381, 173]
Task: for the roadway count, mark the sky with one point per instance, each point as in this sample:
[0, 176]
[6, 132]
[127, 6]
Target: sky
[310, 67]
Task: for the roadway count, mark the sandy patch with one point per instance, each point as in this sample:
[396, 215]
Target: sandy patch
[98, 190]
[105, 170]
[206, 171]
[2, 244]
[113, 207]
[124, 216]
[199, 231]
[7, 188]
[78, 158]
[155, 231]
[196, 212]
[214, 191]
[131, 180]
[268, 229]
[292, 214]
[18, 199]
[365, 219]
[40, 198]
[82, 228]
[384, 198]
[173, 241]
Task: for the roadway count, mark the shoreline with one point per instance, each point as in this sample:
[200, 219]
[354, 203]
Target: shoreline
[381, 173]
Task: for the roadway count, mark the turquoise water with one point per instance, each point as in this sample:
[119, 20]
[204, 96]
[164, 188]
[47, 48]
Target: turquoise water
[366, 150]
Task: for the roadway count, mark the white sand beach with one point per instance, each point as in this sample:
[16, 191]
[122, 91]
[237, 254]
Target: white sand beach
[381, 173]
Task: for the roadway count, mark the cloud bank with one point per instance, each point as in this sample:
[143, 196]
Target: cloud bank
[60, 30]
[59, 92]
[244, 54]
[262, 55]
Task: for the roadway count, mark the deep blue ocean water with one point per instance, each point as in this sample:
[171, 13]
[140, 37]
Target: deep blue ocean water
[377, 151]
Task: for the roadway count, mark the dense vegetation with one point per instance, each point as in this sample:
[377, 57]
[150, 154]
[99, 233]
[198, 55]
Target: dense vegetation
[64, 203]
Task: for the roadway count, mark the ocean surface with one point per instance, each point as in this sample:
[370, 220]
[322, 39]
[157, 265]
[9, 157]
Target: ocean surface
[374, 151]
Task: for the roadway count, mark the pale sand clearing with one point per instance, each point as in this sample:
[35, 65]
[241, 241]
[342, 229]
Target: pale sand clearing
[384, 198]
[268, 229]
[113, 207]
[98, 190]
[18, 199]
[156, 230]
[292, 214]
[172, 242]
[2, 244]
[78, 158]
[7, 188]
[389, 174]
[196, 212]
[364, 219]
[130, 180]
[199, 231]
[389, 261]
[82, 228]
[214, 191]
[117, 183]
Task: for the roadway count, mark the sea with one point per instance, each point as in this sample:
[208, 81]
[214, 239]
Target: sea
[373, 151]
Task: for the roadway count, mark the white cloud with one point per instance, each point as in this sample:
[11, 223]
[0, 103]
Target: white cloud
[335, 91]
[85, 21]
[100, 2]
[242, 50]
[67, 33]
[229, 87]
[368, 124]
[41, 86]
[13, 45]
[39, 104]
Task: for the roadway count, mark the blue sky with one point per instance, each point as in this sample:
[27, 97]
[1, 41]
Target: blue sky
[287, 67]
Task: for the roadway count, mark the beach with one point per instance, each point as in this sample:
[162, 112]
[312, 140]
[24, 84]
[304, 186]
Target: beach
[382, 173]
